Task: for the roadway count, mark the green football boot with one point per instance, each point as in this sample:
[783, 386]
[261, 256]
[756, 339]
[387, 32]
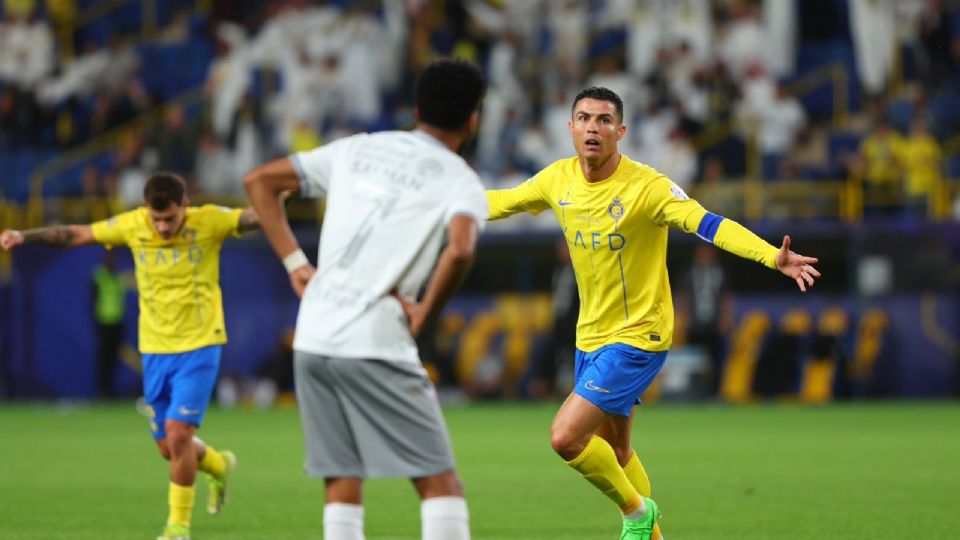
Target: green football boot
[641, 529]
[175, 532]
[217, 486]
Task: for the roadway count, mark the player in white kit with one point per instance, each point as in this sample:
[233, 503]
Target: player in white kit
[367, 408]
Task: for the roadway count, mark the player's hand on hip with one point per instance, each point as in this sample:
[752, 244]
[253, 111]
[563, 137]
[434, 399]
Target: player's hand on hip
[796, 267]
[300, 277]
[10, 239]
[416, 316]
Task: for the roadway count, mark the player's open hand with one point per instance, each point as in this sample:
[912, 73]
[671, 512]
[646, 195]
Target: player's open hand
[416, 316]
[300, 277]
[796, 267]
[10, 239]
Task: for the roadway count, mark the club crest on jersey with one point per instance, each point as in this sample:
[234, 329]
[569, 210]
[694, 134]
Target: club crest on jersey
[430, 168]
[678, 192]
[615, 209]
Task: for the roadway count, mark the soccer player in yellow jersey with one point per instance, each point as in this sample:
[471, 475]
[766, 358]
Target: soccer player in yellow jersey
[176, 251]
[614, 213]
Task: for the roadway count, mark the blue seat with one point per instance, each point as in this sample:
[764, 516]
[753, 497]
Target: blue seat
[198, 27]
[65, 184]
[814, 54]
[24, 163]
[900, 113]
[128, 17]
[199, 55]
[731, 152]
[953, 167]
[152, 75]
[6, 172]
[606, 42]
[945, 108]
[183, 66]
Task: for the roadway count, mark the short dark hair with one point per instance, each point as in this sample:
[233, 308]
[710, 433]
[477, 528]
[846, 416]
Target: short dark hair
[164, 189]
[603, 94]
[448, 92]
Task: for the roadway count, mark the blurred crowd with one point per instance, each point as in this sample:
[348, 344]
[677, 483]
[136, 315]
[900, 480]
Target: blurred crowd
[284, 76]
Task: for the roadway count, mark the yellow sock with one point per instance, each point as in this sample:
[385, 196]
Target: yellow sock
[212, 463]
[181, 504]
[598, 464]
[640, 482]
[637, 475]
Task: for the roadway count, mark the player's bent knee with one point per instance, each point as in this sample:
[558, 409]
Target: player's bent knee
[565, 444]
[178, 445]
[164, 450]
[179, 437]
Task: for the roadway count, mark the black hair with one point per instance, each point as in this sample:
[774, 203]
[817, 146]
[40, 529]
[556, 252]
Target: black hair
[164, 189]
[602, 94]
[448, 92]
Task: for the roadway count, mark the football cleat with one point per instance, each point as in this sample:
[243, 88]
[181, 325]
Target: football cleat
[175, 532]
[217, 486]
[642, 528]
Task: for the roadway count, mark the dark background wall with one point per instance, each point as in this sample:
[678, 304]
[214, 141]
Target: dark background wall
[47, 341]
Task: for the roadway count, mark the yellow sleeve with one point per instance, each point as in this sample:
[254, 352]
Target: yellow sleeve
[116, 230]
[225, 220]
[667, 204]
[737, 239]
[527, 197]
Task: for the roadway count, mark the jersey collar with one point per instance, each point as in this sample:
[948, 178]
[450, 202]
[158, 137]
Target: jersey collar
[429, 138]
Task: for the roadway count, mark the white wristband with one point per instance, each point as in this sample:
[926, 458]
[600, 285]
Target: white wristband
[295, 260]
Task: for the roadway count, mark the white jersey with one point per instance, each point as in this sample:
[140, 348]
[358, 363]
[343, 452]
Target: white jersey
[390, 197]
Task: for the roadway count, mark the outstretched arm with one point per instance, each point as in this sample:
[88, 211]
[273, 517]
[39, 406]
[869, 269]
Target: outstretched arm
[59, 235]
[527, 197]
[669, 204]
[737, 239]
[264, 186]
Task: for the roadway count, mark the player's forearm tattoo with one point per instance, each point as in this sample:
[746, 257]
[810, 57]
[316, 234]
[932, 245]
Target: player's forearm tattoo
[59, 235]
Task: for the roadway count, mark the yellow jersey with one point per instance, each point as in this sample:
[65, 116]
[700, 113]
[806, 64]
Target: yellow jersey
[881, 153]
[181, 306]
[616, 230]
[921, 156]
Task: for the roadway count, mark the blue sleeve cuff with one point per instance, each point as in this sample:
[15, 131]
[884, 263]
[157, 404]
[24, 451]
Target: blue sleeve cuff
[708, 226]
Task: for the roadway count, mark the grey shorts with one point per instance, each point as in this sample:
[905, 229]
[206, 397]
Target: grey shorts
[369, 418]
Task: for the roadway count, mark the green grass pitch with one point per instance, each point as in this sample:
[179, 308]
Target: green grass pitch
[870, 471]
